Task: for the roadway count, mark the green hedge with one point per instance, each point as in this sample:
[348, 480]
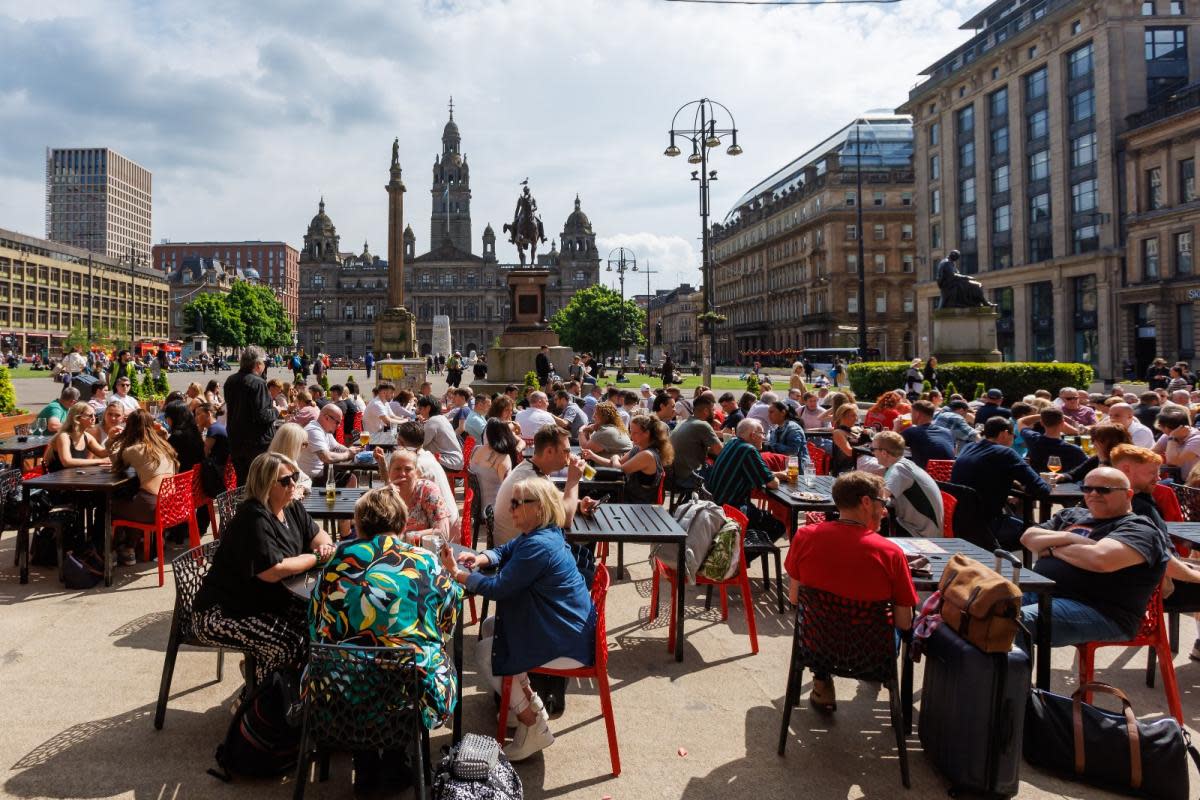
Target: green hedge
[1016, 379]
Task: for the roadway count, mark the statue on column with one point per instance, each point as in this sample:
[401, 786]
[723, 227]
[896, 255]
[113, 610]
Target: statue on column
[958, 290]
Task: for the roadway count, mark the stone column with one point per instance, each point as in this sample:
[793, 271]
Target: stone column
[395, 190]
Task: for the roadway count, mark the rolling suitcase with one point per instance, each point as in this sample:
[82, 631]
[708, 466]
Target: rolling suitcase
[86, 384]
[973, 714]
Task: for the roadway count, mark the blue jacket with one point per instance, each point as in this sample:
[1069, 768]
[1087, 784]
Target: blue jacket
[544, 609]
[990, 469]
[790, 440]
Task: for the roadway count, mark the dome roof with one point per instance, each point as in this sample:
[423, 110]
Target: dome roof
[250, 274]
[321, 223]
[578, 221]
[451, 130]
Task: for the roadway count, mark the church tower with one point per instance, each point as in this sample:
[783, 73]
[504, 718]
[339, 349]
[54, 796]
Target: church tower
[321, 240]
[451, 217]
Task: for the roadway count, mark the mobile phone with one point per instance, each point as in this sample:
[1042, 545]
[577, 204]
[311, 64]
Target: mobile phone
[602, 500]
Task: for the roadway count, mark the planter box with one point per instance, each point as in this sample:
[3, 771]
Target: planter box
[8, 425]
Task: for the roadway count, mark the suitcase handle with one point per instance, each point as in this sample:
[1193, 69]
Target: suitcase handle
[1003, 555]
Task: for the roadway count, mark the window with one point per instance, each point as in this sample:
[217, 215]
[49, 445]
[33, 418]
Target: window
[1041, 296]
[880, 303]
[878, 198]
[1000, 141]
[908, 262]
[1148, 8]
[935, 235]
[880, 262]
[1037, 125]
[851, 263]
[966, 155]
[967, 229]
[852, 304]
[851, 232]
[1187, 180]
[1176, 8]
[935, 168]
[1039, 166]
[935, 201]
[851, 198]
[1083, 105]
[906, 232]
[1083, 150]
[1002, 218]
[1000, 179]
[1154, 193]
[1080, 62]
[1085, 238]
[318, 281]
[998, 103]
[1039, 208]
[906, 198]
[1150, 259]
[1076, 28]
[880, 232]
[1001, 256]
[1183, 253]
[966, 191]
[1083, 196]
[1035, 84]
[1185, 318]
[935, 134]
[966, 120]
[1166, 62]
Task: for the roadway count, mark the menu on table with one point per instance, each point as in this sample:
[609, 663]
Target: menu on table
[919, 546]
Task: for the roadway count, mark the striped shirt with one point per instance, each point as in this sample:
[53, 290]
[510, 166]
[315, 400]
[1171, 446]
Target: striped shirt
[739, 468]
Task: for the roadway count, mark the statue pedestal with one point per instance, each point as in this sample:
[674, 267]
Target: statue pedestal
[524, 336]
[395, 334]
[965, 334]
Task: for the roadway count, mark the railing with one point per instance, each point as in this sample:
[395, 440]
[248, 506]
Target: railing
[1185, 100]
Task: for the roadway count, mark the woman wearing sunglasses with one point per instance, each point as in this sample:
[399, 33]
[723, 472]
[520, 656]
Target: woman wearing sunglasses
[544, 617]
[242, 603]
[74, 445]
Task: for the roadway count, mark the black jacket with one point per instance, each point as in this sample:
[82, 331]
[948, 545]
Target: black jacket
[250, 413]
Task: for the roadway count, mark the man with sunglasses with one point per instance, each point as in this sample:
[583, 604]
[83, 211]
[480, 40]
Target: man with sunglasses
[915, 496]
[1105, 560]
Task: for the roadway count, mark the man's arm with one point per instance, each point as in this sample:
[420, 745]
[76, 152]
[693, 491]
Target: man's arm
[1106, 555]
[1027, 476]
[1038, 540]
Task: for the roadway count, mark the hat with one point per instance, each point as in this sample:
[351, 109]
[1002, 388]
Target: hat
[645, 387]
[995, 394]
[958, 405]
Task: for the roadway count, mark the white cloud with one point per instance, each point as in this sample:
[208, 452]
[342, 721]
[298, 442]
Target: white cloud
[247, 112]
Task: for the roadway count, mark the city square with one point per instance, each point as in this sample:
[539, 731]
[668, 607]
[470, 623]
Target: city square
[876, 470]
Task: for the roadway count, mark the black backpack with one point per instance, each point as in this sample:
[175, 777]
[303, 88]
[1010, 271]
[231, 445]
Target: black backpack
[261, 741]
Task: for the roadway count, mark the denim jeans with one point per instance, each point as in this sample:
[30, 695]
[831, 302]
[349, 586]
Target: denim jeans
[1072, 622]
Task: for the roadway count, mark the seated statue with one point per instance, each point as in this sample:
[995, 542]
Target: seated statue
[958, 290]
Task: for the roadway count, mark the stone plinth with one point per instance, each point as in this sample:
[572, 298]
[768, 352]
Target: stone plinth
[524, 335]
[965, 334]
[395, 334]
[403, 373]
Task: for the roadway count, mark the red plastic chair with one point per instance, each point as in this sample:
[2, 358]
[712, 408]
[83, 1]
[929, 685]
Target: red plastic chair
[940, 468]
[339, 435]
[465, 538]
[949, 501]
[230, 485]
[741, 580]
[174, 507]
[1152, 633]
[819, 458]
[454, 476]
[357, 425]
[598, 672]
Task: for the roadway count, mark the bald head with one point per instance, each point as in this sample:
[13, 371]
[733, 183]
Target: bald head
[1106, 492]
[1107, 476]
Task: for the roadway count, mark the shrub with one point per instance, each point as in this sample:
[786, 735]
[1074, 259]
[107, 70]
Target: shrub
[161, 387]
[1015, 379]
[8, 396]
[752, 384]
[980, 390]
[325, 381]
[950, 390]
[531, 380]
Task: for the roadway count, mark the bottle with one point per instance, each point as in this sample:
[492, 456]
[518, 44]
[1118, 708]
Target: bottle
[330, 486]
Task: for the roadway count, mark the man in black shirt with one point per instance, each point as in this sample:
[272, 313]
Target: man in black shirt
[923, 439]
[990, 466]
[1049, 442]
[1159, 375]
[542, 365]
[1147, 409]
[991, 407]
[250, 414]
[1105, 561]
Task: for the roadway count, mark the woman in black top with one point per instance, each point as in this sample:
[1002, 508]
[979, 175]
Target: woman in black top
[183, 435]
[242, 603]
[843, 458]
[644, 465]
[930, 373]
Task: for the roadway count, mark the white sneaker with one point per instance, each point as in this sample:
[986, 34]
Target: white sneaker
[529, 740]
[536, 704]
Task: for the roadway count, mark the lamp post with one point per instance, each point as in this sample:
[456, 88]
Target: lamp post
[702, 135]
[625, 261]
[649, 297]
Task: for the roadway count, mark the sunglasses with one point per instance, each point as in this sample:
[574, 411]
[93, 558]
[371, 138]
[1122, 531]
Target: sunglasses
[1100, 490]
[515, 504]
[881, 500]
[287, 480]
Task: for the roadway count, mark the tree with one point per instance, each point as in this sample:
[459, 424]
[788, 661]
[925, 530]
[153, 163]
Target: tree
[592, 322]
[222, 326]
[263, 316]
[76, 338]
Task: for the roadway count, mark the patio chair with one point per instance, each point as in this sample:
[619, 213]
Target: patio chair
[189, 570]
[949, 502]
[456, 475]
[834, 635]
[598, 672]
[230, 486]
[1189, 501]
[226, 504]
[361, 698]
[489, 526]
[819, 458]
[174, 507]
[940, 468]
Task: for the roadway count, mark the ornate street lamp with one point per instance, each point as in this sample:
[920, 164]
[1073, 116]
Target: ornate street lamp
[625, 261]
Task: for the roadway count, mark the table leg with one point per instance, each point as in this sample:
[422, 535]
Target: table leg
[906, 687]
[458, 663]
[681, 574]
[23, 522]
[1042, 646]
[108, 539]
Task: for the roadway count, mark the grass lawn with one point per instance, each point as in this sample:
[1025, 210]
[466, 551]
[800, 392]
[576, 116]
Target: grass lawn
[720, 382]
[26, 371]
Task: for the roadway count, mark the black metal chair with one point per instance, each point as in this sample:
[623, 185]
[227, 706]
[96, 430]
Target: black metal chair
[850, 639]
[1189, 501]
[477, 507]
[970, 521]
[189, 570]
[10, 504]
[758, 545]
[361, 698]
[226, 505]
[489, 525]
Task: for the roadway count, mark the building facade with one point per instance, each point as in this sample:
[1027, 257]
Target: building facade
[671, 317]
[98, 200]
[194, 276]
[48, 288]
[276, 264]
[340, 293]
[785, 259]
[1018, 163]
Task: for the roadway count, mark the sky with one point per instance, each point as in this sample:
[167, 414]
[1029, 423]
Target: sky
[247, 113]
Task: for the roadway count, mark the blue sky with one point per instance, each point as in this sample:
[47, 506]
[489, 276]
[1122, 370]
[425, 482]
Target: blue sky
[247, 112]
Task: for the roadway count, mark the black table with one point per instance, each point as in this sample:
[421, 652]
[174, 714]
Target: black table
[1185, 531]
[784, 495]
[86, 479]
[30, 448]
[384, 440]
[638, 524]
[341, 509]
[1062, 494]
[370, 469]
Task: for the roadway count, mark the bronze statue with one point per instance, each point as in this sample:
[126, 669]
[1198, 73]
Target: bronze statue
[396, 152]
[958, 290]
[526, 228]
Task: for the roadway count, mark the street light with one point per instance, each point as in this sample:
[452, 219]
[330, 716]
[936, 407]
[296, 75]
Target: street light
[704, 135]
[862, 267]
[625, 261]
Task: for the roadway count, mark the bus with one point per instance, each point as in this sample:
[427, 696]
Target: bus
[822, 357]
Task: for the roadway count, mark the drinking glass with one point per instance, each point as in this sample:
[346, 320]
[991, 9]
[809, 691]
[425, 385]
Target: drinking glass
[1054, 464]
[810, 478]
[793, 468]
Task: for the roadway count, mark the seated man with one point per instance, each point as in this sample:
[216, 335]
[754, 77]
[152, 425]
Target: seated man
[379, 411]
[924, 438]
[915, 496]
[957, 418]
[536, 416]
[55, 412]
[1041, 446]
[551, 453]
[849, 558]
[1122, 414]
[990, 467]
[740, 468]
[1105, 561]
[693, 442]
[1180, 443]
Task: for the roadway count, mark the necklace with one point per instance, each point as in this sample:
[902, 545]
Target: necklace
[845, 521]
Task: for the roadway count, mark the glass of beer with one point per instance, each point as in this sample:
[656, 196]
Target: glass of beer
[364, 438]
[793, 469]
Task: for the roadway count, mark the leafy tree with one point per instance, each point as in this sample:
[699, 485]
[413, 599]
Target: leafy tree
[222, 326]
[8, 396]
[76, 338]
[161, 386]
[596, 322]
[263, 316]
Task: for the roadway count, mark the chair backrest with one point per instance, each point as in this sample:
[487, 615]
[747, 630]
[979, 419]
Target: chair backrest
[468, 446]
[489, 524]
[10, 494]
[360, 698]
[970, 521]
[226, 506]
[850, 638]
[940, 468]
[819, 458]
[948, 504]
[189, 569]
[469, 503]
[1167, 503]
[737, 516]
[176, 499]
[1189, 501]
[339, 435]
[230, 476]
[476, 492]
[600, 583]
[1153, 618]
[357, 425]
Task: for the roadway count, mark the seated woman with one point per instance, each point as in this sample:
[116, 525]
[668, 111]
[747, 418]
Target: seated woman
[74, 445]
[502, 409]
[884, 412]
[606, 436]
[141, 446]
[212, 396]
[544, 616]
[644, 465]
[428, 513]
[112, 422]
[242, 604]
[289, 440]
[494, 459]
[846, 435]
[306, 410]
[194, 396]
[1105, 437]
[183, 435]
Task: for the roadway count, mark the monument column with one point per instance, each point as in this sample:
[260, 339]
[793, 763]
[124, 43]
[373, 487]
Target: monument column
[396, 328]
[395, 190]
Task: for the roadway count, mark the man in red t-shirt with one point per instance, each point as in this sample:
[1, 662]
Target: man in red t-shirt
[847, 557]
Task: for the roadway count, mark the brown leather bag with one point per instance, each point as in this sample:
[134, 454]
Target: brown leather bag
[979, 604]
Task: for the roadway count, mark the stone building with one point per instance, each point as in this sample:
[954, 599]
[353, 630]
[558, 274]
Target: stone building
[340, 295]
[785, 260]
[671, 317]
[194, 276]
[1019, 164]
[276, 263]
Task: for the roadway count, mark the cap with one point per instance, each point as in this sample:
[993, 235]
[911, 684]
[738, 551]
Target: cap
[995, 394]
[958, 405]
[645, 387]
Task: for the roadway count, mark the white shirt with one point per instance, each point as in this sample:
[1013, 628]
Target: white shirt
[505, 529]
[441, 440]
[373, 417]
[758, 411]
[128, 402]
[533, 420]
[400, 411]
[624, 415]
[1141, 435]
[318, 440]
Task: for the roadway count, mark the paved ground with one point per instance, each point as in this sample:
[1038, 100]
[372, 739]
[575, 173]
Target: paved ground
[81, 672]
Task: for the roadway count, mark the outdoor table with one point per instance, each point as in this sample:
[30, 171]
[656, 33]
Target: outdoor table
[783, 496]
[370, 469]
[342, 508]
[819, 433]
[638, 524]
[1063, 494]
[32, 447]
[1185, 531]
[86, 479]
[939, 551]
[384, 440]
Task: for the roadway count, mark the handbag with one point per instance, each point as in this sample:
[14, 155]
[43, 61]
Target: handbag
[476, 769]
[83, 570]
[1111, 750]
[979, 604]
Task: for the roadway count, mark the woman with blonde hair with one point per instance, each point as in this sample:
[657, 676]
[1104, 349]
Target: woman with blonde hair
[428, 512]
[306, 410]
[74, 443]
[645, 463]
[140, 445]
[606, 436]
[846, 435]
[796, 381]
[289, 440]
[194, 396]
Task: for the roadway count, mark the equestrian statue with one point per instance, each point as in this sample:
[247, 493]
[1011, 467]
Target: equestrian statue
[526, 228]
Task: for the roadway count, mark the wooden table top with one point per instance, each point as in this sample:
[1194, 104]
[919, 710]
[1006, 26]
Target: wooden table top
[84, 479]
[627, 522]
[786, 493]
[32, 444]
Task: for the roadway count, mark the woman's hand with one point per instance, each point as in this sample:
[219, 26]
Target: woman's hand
[324, 552]
[472, 560]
